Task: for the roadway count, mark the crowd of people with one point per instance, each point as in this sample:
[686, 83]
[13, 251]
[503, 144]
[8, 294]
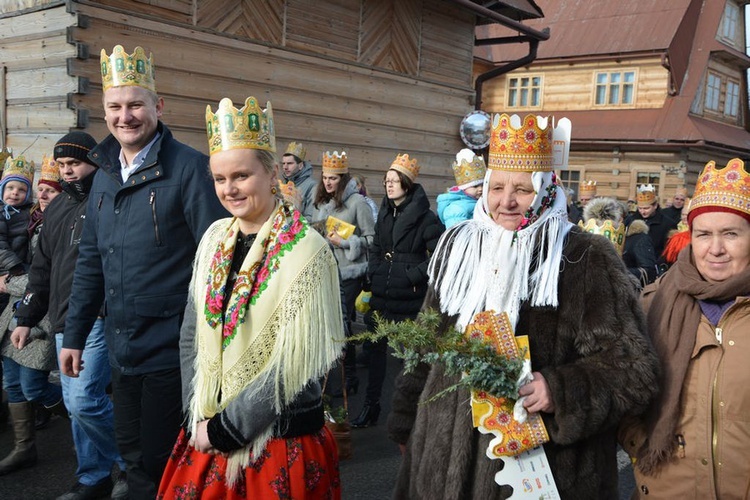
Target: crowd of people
[194, 304]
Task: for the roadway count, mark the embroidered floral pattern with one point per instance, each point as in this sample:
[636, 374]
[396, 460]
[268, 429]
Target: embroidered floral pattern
[287, 229]
[258, 464]
[280, 484]
[213, 475]
[313, 473]
[187, 491]
[294, 449]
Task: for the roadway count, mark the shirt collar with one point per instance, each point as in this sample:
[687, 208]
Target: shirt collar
[138, 159]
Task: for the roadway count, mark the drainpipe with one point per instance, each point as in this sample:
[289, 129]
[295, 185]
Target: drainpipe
[501, 70]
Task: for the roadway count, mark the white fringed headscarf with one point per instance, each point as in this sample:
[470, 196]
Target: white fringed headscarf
[478, 265]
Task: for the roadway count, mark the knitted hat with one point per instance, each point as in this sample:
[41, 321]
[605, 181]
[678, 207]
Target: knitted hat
[75, 145]
[18, 169]
[723, 189]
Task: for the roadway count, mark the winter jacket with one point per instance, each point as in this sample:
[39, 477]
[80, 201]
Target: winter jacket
[638, 253]
[305, 183]
[353, 252]
[405, 237]
[14, 236]
[51, 273]
[455, 206]
[710, 460]
[659, 227]
[598, 365]
[138, 243]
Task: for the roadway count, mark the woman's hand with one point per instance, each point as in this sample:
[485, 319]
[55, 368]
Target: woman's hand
[538, 395]
[334, 238]
[201, 441]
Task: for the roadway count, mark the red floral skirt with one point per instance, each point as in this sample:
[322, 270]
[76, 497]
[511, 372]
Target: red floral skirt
[296, 468]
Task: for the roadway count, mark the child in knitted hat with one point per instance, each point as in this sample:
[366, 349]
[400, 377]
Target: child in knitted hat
[457, 204]
[15, 186]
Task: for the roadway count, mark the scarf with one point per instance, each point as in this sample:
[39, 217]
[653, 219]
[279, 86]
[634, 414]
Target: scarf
[478, 265]
[673, 319]
[36, 218]
[281, 324]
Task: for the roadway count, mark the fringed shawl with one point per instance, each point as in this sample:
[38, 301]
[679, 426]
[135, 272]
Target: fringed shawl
[478, 265]
[281, 325]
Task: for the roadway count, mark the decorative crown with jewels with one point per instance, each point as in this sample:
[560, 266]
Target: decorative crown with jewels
[335, 163]
[407, 166]
[50, 171]
[522, 146]
[120, 69]
[247, 128]
[19, 168]
[727, 187]
[296, 149]
[468, 169]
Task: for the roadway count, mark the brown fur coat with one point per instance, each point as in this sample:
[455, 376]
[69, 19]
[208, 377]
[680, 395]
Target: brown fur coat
[599, 365]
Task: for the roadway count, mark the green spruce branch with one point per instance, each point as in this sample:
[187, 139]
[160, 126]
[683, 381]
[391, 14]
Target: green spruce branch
[475, 362]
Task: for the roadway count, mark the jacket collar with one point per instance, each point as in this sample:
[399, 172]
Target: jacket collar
[106, 154]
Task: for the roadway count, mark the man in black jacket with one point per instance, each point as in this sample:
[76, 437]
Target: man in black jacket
[151, 201]
[48, 290]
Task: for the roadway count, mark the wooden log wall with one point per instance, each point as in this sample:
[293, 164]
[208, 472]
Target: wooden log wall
[373, 77]
[34, 52]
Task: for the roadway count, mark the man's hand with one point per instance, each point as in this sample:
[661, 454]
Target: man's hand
[538, 395]
[71, 363]
[20, 337]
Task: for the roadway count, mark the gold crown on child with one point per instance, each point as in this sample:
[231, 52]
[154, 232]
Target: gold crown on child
[121, 69]
[19, 167]
[468, 172]
[587, 187]
[335, 163]
[249, 127]
[527, 148]
[407, 166]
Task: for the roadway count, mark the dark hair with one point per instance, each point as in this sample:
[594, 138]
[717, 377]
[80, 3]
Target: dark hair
[361, 179]
[322, 196]
[406, 183]
[295, 157]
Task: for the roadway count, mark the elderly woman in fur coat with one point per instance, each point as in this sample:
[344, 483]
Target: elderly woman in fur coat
[566, 289]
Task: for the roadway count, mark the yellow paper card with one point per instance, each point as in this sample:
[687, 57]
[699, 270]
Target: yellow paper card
[343, 229]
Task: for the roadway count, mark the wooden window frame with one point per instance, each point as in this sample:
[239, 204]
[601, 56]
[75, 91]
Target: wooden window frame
[735, 98]
[621, 87]
[573, 184]
[713, 92]
[730, 23]
[516, 97]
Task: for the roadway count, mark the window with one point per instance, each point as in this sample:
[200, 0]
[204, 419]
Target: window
[525, 92]
[730, 21]
[570, 179]
[615, 89]
[732, 99]
[713, 92]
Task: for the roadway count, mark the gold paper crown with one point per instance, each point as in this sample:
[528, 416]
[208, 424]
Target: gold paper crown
[587, 187]
[405, 165]
[525, 149]
[121, 68]
[50, 171]
[335, 163]
[468, 172]
[246, 128]
[646, 195]
[607, 228]
[727, 187]
[19, 168]
[296, 149]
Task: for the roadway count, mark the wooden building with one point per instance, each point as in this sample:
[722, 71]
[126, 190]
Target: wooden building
[372, 77]
[654, 89]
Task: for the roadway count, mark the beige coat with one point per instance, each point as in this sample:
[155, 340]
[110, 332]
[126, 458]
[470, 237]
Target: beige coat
[712, 458]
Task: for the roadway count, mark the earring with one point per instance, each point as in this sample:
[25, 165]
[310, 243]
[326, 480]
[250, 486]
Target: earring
[274, 190]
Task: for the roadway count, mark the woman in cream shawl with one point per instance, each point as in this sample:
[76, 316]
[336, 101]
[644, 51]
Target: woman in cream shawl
[260, 329]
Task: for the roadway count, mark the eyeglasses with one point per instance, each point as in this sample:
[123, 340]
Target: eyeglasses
[389, 182]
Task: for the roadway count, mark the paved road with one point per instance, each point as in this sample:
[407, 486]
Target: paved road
[369, 475]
